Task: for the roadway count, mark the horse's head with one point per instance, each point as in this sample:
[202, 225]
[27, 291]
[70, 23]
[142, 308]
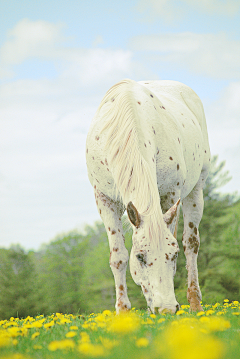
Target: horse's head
[153, 267]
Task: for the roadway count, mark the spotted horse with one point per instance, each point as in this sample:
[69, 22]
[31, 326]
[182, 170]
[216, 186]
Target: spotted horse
[147, 150]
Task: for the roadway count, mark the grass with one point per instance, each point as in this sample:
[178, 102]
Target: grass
[212, 334]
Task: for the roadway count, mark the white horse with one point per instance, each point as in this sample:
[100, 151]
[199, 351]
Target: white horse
[147, 147]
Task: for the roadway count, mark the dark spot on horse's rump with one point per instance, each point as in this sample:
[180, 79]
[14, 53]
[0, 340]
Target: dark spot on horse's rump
[96, 202]
[166, 256]
[150, 264]
[151, 95]
[178, 184]
[94, 186]
[205, 151]
[139, 102]
[177, 166]
[121, 287]
[112, 209]
[108, 169]
[178, 140]
[97, 138]
[145, 290]
[113, 231]
[191, 225]
[102, 163]
[171, 158]
[145, 145]
[195, 230]
[113, 99]
[135, 272]
[149, 142]
[93, 158]
[194, 204]
[157, 151]
[106, 161]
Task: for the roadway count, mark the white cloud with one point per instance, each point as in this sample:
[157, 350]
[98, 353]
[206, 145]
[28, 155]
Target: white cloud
[30, 39]
[211, 55]
[175, 10]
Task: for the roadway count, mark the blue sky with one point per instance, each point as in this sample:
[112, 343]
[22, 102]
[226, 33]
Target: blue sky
[57, 60]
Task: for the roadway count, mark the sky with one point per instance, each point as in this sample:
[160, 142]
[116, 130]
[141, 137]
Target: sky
[57, 60]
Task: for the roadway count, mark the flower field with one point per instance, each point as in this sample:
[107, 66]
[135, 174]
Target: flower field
[212, 334]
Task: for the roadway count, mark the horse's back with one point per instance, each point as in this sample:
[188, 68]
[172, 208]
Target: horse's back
[171, 130]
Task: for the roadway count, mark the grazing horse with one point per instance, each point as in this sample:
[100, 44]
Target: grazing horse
[147, 149]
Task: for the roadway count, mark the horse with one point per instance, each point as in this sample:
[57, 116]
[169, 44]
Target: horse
[147, 151]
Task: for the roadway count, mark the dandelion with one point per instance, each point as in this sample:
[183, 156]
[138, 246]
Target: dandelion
[185, 341]
[92, 350]
[34, 335]
[125, 323]
[71, 334]
[61, 344]
[180, 312]
[142, 342]
[49, 325]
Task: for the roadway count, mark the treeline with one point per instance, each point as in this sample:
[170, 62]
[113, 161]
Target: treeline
[72, 273]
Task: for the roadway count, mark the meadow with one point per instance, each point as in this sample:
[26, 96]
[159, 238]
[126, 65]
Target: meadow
[211, 334]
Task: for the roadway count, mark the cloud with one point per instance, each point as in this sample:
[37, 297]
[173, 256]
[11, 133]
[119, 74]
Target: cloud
[175, 10]
[30, 39]
[213, 55]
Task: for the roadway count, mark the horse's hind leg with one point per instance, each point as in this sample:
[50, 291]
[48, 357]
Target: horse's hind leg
[192, 207]
[111, 213]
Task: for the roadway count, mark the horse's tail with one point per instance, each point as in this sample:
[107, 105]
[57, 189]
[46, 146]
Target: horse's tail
[133, 177]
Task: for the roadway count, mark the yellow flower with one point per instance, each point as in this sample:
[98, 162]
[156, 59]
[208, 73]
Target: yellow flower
[48, 325]
[107, 312]
[74, 327]
[215, 324]
[226, 300]
[199, 314]
[61, 344]
[4, 339]
[210, 312]
[108, 343]
[153, 316]
[236, 313]
[71, 334]
[142, 342]
[181, 312]
[92, 350]
[188, 342]
[124, 323]
[161, 320]
[34, 335]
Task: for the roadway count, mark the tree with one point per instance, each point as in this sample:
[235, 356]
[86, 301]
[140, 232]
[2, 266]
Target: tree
[17, 283]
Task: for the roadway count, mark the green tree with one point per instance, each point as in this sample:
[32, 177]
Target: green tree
[17, 283]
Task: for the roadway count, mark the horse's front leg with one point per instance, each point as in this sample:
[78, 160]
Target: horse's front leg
[192, 207]
[111, 213]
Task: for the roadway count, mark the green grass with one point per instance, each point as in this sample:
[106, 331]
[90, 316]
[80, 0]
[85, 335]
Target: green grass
[212, 334]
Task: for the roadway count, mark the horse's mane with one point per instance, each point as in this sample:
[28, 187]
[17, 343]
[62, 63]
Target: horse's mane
[134, 179]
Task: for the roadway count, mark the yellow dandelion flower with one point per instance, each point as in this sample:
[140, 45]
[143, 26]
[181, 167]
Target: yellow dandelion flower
[199, 314]
[142, 342]
[161, 320]
[74, 327]
[153, 316]
[107, 313]
[210, 312]
[226, 300]
[4, 339]
[34, 335]
[108, 343]
[61, 344]
[71, 334]
[185, 341]
[48, 325]
[236, 313]
[124, 323]
[235, 302]
[92, 350]
[180, 312]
